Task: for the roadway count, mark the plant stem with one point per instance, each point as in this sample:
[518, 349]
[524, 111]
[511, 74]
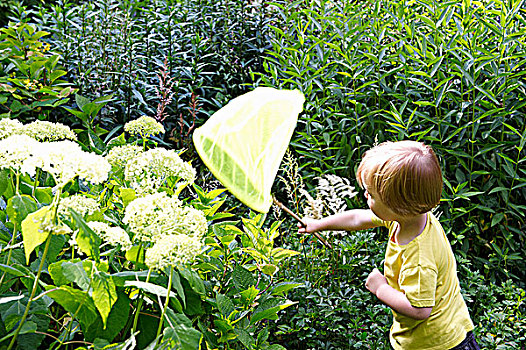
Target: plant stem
[12, 241]
[139, 306]
[17, 185]
[35, 185]
[33, 291]
[166, 302]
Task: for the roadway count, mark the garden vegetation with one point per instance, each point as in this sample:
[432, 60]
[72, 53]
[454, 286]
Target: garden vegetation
[113, 234]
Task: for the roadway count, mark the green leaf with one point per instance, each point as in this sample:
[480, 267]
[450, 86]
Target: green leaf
[134, 255]
[116, 321]
[242, 278]
[281, 253]
[77, 302]
[104, 294]
[182, 337]
[10, 269]
[75, 272]
[32, 233]
[28, 327]
[269, 269]
[120, 278]
[44, 194]
[187, 337]
[245, 338]
[496, 219]
[56, 74]
[176, 283]
[4, 179]
[249, 295]
[95, 142]
[87, 240]
[150, 288]
[284, 287]
[19, 207]
[224, 305]
[193, 279]
[56, 271]
[270, 313]
[81, 101]
[127, 195]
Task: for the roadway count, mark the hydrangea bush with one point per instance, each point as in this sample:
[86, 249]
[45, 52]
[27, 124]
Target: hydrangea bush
[106, 241]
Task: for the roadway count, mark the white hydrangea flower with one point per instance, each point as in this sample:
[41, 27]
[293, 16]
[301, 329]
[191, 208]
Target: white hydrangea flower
[47, 131]
[9, 127]
[155, 215]
[172, 250]
[65, 160]
[149, 170]
[112, 235]
[144, 127]
[81, 204]
[192, 222]
[119, 156]
[18, 152]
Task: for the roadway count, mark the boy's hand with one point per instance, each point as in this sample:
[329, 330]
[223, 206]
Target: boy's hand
[375, 280]
[311, 225]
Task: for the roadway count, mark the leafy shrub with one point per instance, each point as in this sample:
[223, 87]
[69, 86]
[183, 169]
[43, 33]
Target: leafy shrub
[446, 73]
[118, 47]
[101, 249]
[30, 83]
[335, 310]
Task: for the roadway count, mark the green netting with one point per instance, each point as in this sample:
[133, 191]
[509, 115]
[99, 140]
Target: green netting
[244, 142]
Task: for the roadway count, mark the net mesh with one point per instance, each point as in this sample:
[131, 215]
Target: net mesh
[244, 142]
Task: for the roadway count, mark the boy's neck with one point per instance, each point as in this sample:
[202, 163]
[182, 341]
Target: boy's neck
[409, 228]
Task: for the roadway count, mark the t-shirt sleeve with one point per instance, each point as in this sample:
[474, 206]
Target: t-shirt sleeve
[419, 285]
[379, 222]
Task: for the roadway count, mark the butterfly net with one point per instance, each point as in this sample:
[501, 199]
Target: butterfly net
[244, 142]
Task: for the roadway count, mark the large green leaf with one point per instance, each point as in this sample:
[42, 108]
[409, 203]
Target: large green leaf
[150, 288]
[270, 313]
[56, 272]
[120, 278]
[117, 319]
[245, 338]
[77, 302]
[176, 283]
[19, 207]
[28, 327]
[32, 232]
[136, 254]
[181, 335]
[224, 305]
[284, 287]
[104, 294]
[87, 240]
[242, 278]
[193, 279]
[75, 272]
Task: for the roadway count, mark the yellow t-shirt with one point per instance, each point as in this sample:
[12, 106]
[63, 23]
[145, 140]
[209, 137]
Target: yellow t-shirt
[425, 270]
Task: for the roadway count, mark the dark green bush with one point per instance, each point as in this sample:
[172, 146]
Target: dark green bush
[447, 73]
[119, 48]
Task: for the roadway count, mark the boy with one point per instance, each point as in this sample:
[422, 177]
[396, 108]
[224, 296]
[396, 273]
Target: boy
[402, 183]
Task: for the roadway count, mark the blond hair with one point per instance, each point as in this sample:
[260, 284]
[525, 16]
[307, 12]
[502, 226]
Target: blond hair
[405, 175]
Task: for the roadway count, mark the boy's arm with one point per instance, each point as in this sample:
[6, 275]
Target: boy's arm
[351, 220]
[396, 300]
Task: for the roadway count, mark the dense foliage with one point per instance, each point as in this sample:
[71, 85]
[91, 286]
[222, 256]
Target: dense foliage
[175, 60]
[448, 73]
